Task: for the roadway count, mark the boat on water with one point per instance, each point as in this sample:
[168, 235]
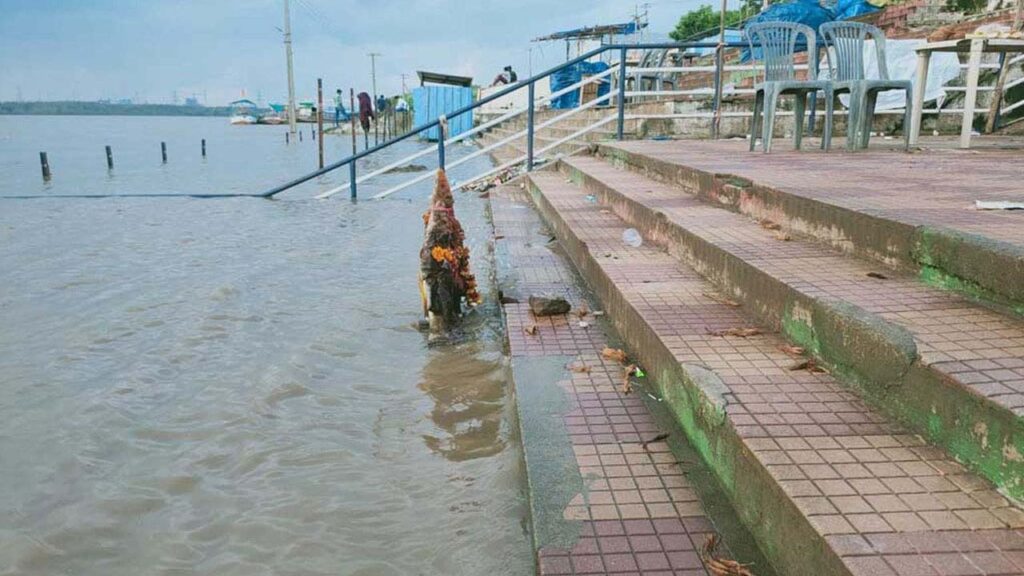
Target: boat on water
[243, 112]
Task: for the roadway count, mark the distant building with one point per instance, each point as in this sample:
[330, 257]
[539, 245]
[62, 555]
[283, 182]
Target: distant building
[191, 101]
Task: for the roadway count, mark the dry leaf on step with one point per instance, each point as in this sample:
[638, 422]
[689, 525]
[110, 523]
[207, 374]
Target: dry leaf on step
[782, 237]
[769, 225]
[614, 354]
[877, 275]
[718, 566]
[741, 332]
[580, 368]
[653, 439]
[531, 330]
[792, 350]
[721, 299]
[627, 384]
[583, 309]
[810, 365]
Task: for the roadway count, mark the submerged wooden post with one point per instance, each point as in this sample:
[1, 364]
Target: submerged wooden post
[163, 151]
[320, 118]
[204, 147]
[286, 139]
[300, 135]
[45, 165]
[110, 159]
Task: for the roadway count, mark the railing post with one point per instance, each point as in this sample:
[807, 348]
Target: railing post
[716, 104]
[529, 129]
[352, 179]
[442, 133]
[622, 94]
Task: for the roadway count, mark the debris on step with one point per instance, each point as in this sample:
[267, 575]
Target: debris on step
[877, 276]
[769, 225]
[721, 299]
[549, 305]
[782, 237]
[583, 310]
[792, 350]
[614, 354]
[717, 565]
[653, 439]
[631, 237]
[530, 330]
[808, 364]
[998, 205]
[741, 332]
[580, 368]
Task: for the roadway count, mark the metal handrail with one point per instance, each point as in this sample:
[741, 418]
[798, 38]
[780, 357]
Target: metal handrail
[528, 83]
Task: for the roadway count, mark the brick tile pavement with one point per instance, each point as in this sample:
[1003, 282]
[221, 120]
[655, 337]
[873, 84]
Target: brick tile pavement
[975, 346]
[640, 514]
[885, 500]
[937, 188]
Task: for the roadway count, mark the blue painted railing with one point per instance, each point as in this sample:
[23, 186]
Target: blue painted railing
[529, 83]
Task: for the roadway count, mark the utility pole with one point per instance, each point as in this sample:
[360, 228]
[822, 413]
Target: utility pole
[373, 72]
[404, 89]
[291, 74]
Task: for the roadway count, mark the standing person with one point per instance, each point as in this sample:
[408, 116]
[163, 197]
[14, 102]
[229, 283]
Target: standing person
[339, 108]
[365, 114]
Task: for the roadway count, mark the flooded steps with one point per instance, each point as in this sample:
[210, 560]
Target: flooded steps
[826, 483]
[946, 367]
[601, 501]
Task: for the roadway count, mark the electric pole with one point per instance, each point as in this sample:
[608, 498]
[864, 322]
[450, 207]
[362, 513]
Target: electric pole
[404, 89]
[373, 73]
[291, 74]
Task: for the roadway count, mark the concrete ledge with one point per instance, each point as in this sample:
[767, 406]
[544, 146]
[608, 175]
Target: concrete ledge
[981, 268]
[876, 355]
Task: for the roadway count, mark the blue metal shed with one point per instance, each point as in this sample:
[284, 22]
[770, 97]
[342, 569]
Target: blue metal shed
[429, 102]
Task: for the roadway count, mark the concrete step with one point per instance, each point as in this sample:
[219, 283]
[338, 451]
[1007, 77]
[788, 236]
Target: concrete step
[517, 147]
[601, 500]
[825, 483]
[948, 368]
[977, 253]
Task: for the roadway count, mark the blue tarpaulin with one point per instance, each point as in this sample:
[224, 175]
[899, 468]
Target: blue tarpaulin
[429, 102]
[572, 74]
[808, 13]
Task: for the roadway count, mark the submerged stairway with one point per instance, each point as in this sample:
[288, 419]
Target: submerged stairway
[861, 421]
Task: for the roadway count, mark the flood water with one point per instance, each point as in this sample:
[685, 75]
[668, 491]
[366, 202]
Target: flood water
[234, 386]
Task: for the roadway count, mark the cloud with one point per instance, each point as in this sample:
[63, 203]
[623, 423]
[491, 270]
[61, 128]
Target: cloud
[56, 49]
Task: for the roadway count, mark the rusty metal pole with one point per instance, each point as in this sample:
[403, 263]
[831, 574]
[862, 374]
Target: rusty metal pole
[320, 118]
[352, 115]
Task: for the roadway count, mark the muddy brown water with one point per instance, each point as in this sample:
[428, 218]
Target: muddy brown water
[234, 386]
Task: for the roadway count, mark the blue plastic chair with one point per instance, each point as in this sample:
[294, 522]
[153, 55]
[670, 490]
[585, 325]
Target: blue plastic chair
[846, 66]
[778, 42]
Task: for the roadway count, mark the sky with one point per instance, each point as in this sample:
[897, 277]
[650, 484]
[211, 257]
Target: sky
[221, 50]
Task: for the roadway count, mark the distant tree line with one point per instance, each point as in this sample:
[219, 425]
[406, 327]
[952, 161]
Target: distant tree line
[74, 108]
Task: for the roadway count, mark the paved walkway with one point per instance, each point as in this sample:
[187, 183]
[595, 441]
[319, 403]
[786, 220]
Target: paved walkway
[637, 512]
[884, 501]
[937, 188]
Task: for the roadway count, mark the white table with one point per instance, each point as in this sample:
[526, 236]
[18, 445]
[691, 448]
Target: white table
[975, 47]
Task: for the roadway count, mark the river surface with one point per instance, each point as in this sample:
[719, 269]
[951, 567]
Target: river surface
[235, 386]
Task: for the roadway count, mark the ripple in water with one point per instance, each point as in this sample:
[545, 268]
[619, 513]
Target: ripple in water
[229, 386]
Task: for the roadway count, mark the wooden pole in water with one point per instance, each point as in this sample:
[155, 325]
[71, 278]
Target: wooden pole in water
[286, 139]
[45, 165]
[204, 147]
[352, 115]
[110, 159]
[163, 151]
[300, 135]
[320, 117]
